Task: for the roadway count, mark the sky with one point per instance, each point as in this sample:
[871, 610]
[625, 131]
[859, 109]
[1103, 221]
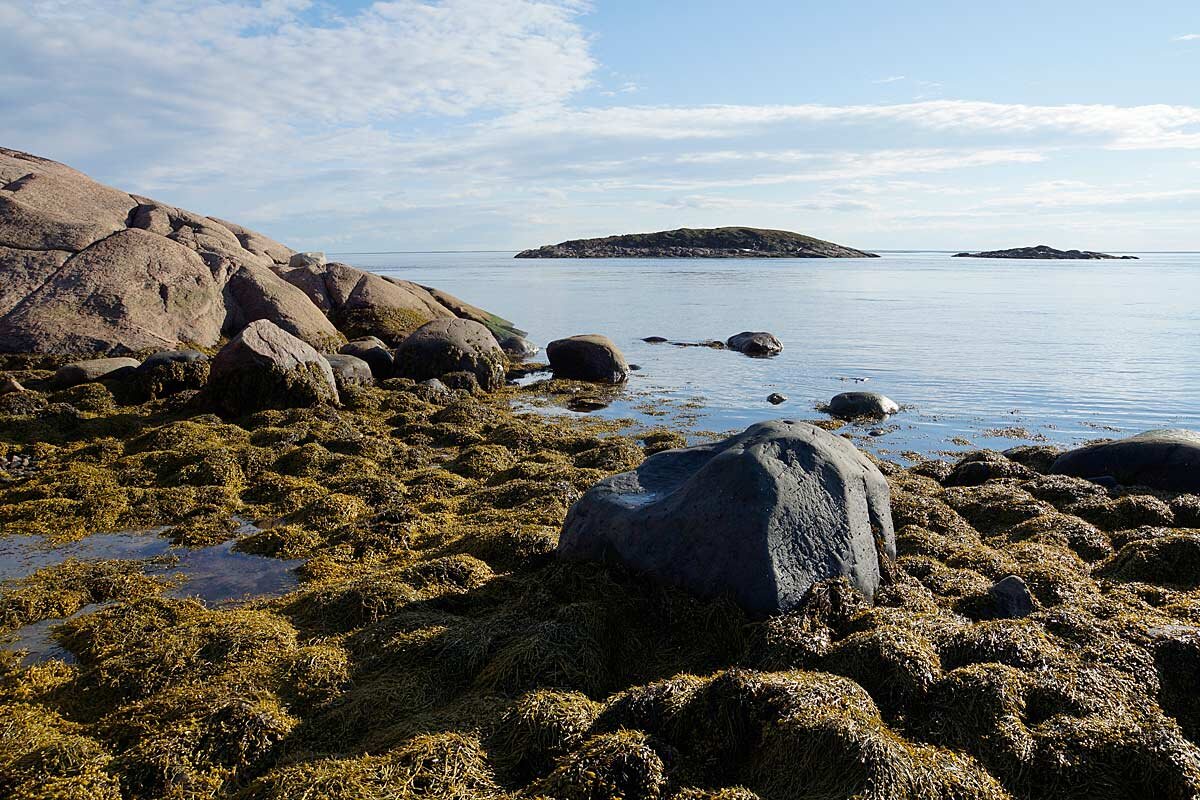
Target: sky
[505, 124]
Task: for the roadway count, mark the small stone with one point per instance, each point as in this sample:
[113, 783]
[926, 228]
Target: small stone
[654, 340]
[1012, 597]
[775, 398]
[586, 404]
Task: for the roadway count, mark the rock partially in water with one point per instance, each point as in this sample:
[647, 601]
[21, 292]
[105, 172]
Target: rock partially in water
[856, 405]
[775, 398]
[655, 340]
[350, 370]
[755, 343]
[264, 366]
[94, 369]
[587, 357]
[762, 515]
[1161, 459]
[1011, 597]
[446, 346]
[518, 348]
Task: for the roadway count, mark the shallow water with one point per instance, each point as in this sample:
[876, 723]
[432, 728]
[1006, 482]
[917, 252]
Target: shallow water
[1068, 350]
[218, 575]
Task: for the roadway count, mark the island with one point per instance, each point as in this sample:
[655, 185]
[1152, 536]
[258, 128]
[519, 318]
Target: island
[1043, 251]
[699, 243]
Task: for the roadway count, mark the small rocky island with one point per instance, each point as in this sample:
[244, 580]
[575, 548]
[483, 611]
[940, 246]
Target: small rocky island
[699, 243]
[1043, 251]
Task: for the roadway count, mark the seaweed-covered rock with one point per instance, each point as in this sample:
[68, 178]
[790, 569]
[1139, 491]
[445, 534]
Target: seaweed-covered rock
[853, 405]
[170, 371]
[372, 350]
[762, 515]
[985, 465]
[264, 366]
[1160, 459]
[755, 343]
[350, 370]
[446, 346]
[587, 357]
[95, 369]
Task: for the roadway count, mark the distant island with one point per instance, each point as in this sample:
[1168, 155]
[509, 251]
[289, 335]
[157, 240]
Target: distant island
[1042, 251]
[699, 243]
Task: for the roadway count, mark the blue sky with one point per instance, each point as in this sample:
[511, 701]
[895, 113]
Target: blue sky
[502, 124]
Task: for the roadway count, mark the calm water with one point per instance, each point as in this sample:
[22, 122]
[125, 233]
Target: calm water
[1068, 350]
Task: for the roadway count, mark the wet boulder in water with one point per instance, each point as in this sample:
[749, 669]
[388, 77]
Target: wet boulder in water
[372, 350]
[762, 515]
[264, 366]
[518, 348]
[350, 370]
[446, 346]
[853, 405]
[94, 369]
[1159, 459]
[755, 343]
[588, 357]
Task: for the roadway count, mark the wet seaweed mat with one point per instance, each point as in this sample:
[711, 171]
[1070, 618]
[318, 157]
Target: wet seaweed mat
[434, 648]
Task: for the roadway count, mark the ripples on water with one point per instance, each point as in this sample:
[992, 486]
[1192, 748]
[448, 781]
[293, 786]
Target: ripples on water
[1069, 350]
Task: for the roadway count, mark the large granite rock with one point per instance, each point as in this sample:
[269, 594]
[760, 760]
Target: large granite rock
[446, 346]
[1160, 459]
[755, 343]
[762, 515]
[587, 357]
[264, 366]
[85, 268]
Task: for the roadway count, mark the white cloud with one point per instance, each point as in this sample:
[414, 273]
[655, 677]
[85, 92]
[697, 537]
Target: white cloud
[890, 79]
[1187, 37]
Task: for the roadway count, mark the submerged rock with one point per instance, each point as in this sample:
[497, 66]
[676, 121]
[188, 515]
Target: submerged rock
[1161, 459]
[94, 369]
[588, 357]
[264, 366]
[445, 346]
[762, 515]
[853, 405]
[775, 398]
[755, 343]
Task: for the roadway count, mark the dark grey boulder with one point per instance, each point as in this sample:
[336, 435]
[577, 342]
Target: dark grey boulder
[654, 340]
[518, 347]
[588, 357]
[1160, 459]
[853, 405]
[446, 346]
[762, 515]
[94, 369]
[373, 351]
[1011, 598]
[350, 370]
[264, 366]
[755, 343]
[775, 398]
[169, 372]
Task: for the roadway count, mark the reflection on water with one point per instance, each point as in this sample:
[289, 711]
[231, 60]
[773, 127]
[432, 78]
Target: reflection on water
[218, 575]
[978, 351]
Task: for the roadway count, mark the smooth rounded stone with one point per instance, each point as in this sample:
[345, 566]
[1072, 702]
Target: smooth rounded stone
[350, 370]
[852, 405]
[10, 385]
[372, 350]
[755, 343]
[445, 346]
[762, 515]
[93, 369]
[518, 347]
[1166, 459]
[1011, 597]
[587, 357]
[309, 259]
[775, 398]
[264, 366]
[171, 371]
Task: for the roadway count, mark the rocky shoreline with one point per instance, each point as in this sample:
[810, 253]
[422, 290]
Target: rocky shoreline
[699, 243]
[1045, 252]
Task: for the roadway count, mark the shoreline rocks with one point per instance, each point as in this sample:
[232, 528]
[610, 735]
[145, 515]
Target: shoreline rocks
[264, 367]
[1160, 459]
[755, 343]
[587, 357]
[762, 515]
[92, 370]
[447, 346]
[856, 405]
[731, 242]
